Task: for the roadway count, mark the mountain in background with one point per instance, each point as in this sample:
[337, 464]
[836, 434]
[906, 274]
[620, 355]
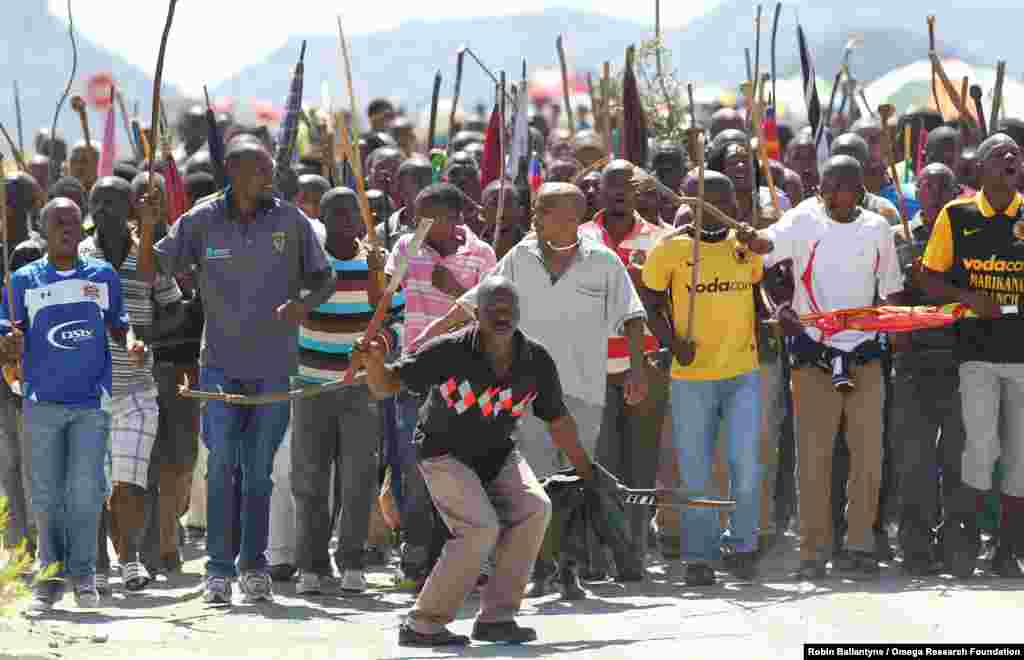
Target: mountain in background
[37, 53]
[401, 62]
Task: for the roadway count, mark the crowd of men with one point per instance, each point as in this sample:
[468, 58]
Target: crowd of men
[561, 323]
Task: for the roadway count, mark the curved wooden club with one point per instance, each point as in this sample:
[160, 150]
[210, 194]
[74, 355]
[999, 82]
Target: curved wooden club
[78, 105]
[979, 108]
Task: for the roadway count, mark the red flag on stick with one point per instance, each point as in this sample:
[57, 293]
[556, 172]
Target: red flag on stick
[490, 164]
[634, 124]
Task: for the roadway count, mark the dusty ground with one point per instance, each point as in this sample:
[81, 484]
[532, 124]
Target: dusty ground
[662, 618]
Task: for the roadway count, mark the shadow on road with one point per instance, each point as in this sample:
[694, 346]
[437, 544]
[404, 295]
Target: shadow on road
[533, 650]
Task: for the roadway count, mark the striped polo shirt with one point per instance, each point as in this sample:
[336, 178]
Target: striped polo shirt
[139, 296]
[470, 263]
[327, 337]
[632, 250]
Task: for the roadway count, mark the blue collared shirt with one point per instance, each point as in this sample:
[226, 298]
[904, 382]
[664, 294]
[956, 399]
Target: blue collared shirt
[246, 271]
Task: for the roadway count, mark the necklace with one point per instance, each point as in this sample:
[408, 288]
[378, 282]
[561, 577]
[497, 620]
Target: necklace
[562, 249]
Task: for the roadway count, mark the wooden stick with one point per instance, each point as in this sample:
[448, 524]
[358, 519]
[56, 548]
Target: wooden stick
[954, 96]
[352, 154]
[354, 158]
[185, 392]
[698, 226]
[78, 105]
[976, 96]
[696, 201]
[931, 49]
[762, 151]
[433, 113]
[606, 92]
[460, 58]
[997, 96]
[18, 158]
[136, 149]
[348, 77]
[501, 158]
[749, 89]
[886, 111]
[146, 259]
[565, 83]
[18, 118]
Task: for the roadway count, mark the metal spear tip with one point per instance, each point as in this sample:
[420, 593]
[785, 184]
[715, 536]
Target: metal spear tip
[302, 53]
[77, 103]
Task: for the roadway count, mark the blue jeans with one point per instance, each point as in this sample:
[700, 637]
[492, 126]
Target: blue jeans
[69, 448]
[698, 408]
[245, 437]
[415, 506]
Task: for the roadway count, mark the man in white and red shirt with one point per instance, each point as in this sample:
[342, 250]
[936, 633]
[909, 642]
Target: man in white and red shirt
[451, 261]
[628, 442]
[843, 257]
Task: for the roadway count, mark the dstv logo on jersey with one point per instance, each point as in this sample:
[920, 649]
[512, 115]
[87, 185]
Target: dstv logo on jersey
[67, 335]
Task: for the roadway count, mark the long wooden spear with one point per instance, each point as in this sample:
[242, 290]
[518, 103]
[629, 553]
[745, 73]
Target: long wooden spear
[997, 96]
[560, 46]
[459, 59]
[17, 116]
[55, 163]
[147, 261]
[354, 158]
[698, 226]
[431, 132]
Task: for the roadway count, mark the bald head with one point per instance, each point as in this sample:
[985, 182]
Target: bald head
[986, 148]
[936, 187]
[719, 191]
[497, 311]
[937, 171]
[617, 166]
[553, 194]
[23, 193]
[943, 145]
[339, 198]
[842, 166]
[725, 118]
[852, 145]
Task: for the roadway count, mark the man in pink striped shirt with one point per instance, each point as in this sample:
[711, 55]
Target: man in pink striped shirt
[451, 261]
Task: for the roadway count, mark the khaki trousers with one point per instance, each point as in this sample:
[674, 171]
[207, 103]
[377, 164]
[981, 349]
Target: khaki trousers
[818, 408]
[509, 515]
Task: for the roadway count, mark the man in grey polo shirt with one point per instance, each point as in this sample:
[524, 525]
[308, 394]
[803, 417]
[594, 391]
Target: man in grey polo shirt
[254, 253]
[574, 293]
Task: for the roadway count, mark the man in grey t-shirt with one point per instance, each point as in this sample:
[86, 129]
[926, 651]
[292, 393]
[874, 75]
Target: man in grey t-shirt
[254, 253]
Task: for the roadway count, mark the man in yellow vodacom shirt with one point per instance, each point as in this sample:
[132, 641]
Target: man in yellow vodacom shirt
[715, 378]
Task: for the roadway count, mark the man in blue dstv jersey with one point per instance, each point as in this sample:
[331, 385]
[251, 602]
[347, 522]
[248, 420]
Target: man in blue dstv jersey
[55, 319]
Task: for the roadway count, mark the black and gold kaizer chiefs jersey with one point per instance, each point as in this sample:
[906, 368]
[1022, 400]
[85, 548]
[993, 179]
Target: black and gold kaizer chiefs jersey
[983, 250]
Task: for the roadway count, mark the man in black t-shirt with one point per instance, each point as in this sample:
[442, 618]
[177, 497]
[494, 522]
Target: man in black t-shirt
[975, 256]
[478, 383]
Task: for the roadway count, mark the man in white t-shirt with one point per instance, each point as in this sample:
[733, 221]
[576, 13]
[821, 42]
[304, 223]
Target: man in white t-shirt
[843, 256]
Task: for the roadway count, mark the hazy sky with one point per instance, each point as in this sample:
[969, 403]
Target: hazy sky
[133, 29]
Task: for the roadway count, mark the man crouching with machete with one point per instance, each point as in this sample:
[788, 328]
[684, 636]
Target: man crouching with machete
[478, 383]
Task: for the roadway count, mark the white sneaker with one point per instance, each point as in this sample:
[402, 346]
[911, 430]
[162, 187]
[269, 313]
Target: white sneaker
[256, 587]
[353, 582]
[309, 584]
[103, 584]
